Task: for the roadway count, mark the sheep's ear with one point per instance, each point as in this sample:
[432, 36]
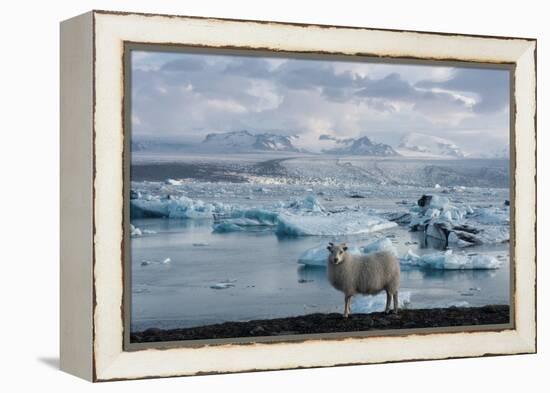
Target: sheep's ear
[330, 246]
[344, 247]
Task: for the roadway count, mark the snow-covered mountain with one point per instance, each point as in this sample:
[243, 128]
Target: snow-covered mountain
[244, 141]
[362, 146]
[416, 144]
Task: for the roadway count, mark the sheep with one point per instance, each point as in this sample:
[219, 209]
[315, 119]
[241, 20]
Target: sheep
[363, 274]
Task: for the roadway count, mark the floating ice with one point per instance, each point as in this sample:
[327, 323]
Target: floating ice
[309, 204]
[174, 182]
[449, 261]
[301, 217]
[457, 224]
[492, 215]
[246, 220]
[383, 244]
[223, 285]
[454, 240]
[175, 207]
[368, 304]
[439, 202]
[167, 260]
[495, 234]
[346, 223]
[135, 231]
[200, 244]
[318, 256]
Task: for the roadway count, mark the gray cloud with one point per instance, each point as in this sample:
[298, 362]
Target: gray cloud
[491, 86]
[391, 86]
[189, 95]
[309, 74]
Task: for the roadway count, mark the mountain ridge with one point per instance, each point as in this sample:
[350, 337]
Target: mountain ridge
[245, 141]
[358, 146]
[425, 145]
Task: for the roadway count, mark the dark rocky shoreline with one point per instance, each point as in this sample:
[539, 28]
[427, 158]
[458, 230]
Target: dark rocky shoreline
[334, 323]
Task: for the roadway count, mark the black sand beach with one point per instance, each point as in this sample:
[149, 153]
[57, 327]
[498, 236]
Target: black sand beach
[333, 323]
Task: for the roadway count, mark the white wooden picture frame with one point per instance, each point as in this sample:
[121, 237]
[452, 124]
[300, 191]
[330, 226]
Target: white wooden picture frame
[92, 195]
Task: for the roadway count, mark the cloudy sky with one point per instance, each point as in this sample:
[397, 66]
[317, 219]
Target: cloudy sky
[185, 96]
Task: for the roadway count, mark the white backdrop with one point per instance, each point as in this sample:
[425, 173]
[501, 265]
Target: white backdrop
[29, 151]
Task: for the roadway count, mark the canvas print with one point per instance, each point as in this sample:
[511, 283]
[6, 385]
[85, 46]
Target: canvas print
[280, 196]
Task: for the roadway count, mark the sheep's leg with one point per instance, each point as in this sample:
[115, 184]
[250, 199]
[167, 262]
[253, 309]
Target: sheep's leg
[388, 301]
[395, 302]
[347, 306]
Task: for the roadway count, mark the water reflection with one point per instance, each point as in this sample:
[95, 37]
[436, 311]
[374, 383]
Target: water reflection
[315, 273]
[268, 282]
[427, 274]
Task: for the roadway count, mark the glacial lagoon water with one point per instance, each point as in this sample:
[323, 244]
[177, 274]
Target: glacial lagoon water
[212, 278]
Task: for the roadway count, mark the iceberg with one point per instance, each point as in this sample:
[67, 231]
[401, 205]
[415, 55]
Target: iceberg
[304, 217]
[309, 204]
[438, 202]
[222, 285]
[226, 284]
[136, 232]
[454, 240]
[318, 255]
[492, 216]
[450, 261]
[345, 223]
[368, 304]
[459, 225]
[174, 182]
[175, 207]
[383, 244]
[247, 220]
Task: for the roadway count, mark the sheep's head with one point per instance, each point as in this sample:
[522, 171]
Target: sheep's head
[337, 252]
